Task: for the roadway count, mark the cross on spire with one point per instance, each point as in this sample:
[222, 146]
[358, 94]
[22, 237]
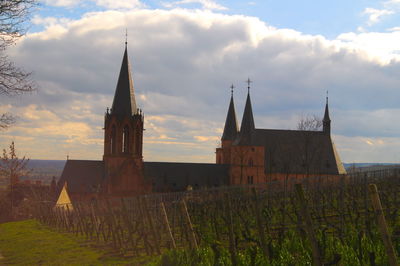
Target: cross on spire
[248, 81]
[232, 87]
[327, 96]
[126, 37]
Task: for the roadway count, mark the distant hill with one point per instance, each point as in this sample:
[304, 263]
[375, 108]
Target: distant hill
[348, 165]
[369, 166]
[44, 170]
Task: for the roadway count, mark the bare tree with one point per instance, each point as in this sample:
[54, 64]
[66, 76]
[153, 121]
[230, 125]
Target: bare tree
[14, 15]
[6, 120]
[307, 147]
[11, 169]
[309, 123]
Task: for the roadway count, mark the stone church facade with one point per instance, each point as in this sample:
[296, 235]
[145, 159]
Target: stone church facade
[247, 155]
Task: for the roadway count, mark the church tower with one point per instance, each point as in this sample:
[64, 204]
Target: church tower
[223, 154]
[123, 138]
[247, 156]
[326, 122]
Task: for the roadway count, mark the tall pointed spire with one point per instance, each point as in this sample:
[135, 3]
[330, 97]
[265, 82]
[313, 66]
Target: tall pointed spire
[124, 99]
[247, 126]
[326, 121]
[231, 128]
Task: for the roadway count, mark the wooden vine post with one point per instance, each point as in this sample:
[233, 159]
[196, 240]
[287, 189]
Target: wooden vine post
[151, 223]
[166, 222]
[125, 215]
[383, 229]
[192, 235]
[260, 225]
[316, 253]
[232, 246]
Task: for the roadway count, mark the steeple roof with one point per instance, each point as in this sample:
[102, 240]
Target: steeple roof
[247, 126]
[231, 128]
[326, 115]
[124, 99]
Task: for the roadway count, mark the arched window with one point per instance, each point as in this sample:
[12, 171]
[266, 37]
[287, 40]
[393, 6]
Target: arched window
[125, 139]
[113, 141]
[251, 163]
[137, 140]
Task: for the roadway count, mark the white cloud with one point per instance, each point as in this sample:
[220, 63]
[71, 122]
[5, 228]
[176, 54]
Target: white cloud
[110, 4]
[394, 29]
[183, 63]
[206, 4]
[119, 4]
[375, 15]
[361, 149]
[62, 3]
[381, 46]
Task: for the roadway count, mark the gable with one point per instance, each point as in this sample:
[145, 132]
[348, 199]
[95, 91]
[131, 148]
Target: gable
[64, 200]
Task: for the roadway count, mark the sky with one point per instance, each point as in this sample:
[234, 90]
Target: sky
[185, 55]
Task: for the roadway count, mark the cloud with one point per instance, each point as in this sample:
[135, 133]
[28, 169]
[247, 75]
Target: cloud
[62, 3]
[379, 46]
[109, 4]
[360, 149]
[394, 29]
[47, 135]
[206, 4]
[375, 15]
[119, 4]
[183, 63]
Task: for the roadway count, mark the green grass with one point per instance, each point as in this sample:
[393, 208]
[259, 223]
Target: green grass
[31, 243]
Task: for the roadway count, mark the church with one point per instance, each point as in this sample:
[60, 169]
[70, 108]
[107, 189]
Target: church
[248, 155]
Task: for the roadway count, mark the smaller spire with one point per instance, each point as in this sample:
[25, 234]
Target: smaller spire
[231, 128]
[326, 115]
[326, 122]
[327, 95]
[247, 126]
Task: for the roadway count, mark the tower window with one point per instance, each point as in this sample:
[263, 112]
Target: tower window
[113, 141]
[125, 140]
[137, 141]
[251, 163]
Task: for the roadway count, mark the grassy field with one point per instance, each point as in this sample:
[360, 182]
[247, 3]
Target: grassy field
[30, 243]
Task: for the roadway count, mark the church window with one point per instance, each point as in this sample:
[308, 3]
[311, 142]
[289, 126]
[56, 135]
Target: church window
[137, 141]
[125, 140]
[113, 140]
[251, 163]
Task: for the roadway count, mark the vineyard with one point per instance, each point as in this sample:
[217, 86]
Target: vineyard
[319, 223]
